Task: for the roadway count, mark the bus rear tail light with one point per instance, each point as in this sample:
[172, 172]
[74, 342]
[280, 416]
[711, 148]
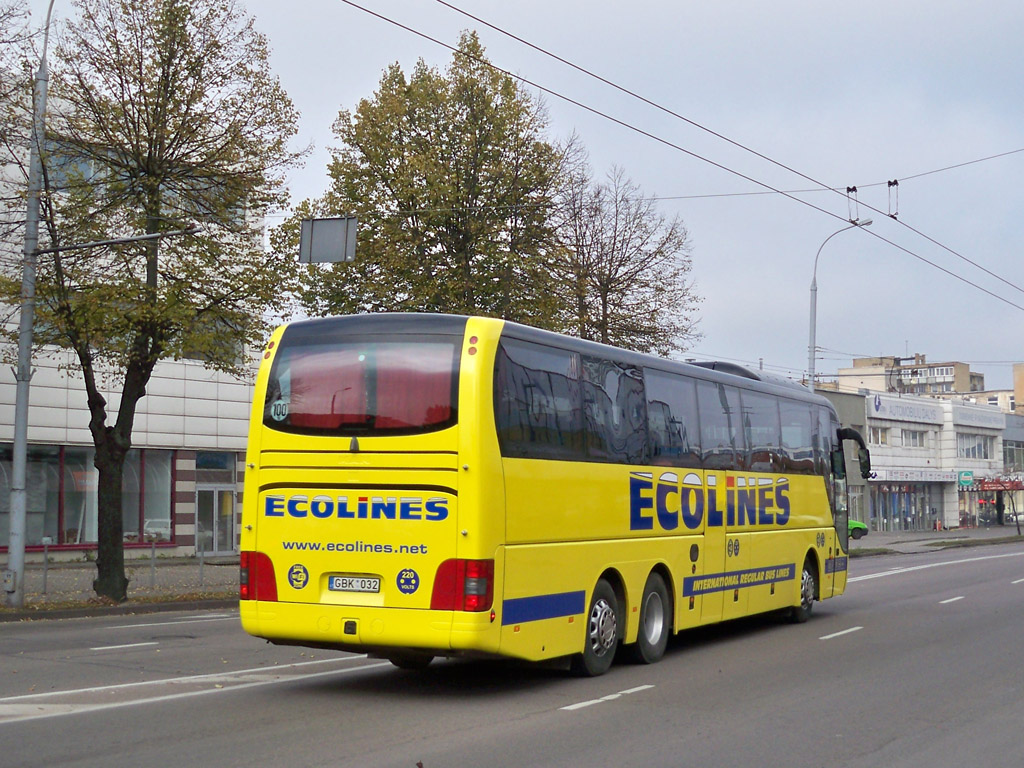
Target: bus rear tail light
[463, 585]
[256, 579]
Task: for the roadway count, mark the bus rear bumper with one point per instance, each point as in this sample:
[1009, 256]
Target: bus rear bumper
[370, 629]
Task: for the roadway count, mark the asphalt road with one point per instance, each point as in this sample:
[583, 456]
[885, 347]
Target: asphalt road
[915, 666]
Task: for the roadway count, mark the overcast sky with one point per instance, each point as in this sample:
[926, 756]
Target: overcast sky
[846, 94]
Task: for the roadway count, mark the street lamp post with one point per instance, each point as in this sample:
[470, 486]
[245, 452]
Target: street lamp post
[854, 223]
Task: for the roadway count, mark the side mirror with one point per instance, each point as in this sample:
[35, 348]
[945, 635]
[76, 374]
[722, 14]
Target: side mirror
[864, 457]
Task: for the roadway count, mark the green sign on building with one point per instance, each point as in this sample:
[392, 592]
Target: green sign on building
[965, 478]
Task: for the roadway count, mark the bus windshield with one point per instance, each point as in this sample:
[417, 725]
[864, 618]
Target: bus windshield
[364, 386]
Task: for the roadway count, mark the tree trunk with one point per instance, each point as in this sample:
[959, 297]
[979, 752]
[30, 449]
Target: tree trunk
[110, 579]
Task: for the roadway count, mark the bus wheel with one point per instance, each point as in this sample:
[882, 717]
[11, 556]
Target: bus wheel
[602, 633]
[411, 661]
[655, 622]
[808, 589]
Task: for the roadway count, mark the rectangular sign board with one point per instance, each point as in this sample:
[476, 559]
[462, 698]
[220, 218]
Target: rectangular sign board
[327, 241]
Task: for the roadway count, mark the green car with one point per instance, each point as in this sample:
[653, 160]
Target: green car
[857, 529]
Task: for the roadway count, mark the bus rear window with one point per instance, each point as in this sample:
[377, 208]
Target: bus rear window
[364, 387]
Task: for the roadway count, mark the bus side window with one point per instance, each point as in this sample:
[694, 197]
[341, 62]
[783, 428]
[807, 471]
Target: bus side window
[672, 422]
[537, 401]
[825, 443]
[614, 414]
[721, 432]
[798, 427]
[761, 428]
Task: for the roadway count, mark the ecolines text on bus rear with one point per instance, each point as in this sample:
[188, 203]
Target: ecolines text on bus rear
[430, 485]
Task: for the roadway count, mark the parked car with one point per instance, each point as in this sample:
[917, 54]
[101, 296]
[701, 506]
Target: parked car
[857, 529]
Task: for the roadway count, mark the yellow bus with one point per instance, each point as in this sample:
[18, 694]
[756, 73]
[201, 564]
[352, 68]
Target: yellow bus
[423, 486]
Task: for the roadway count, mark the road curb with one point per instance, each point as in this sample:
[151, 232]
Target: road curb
[124, 609]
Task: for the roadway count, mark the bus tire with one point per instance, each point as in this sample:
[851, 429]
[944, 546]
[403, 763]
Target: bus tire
[603, 632]
[655, 622]
[411, 661]
[808, 589]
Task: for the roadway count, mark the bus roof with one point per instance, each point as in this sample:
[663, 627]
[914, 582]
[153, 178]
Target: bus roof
[323, 329]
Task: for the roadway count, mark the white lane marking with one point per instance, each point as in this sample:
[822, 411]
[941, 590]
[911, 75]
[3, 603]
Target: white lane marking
[609, 697]
[20, 712]
[951, 600]
[897, 571]
[1018, 581]
[840, 634]
[119, 647]
[177, 621]
[179, 680]
[637, 689]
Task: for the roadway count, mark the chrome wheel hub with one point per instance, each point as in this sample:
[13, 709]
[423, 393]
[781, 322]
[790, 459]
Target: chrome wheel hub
[603, 628]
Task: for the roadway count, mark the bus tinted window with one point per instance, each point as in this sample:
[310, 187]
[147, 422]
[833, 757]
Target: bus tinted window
[721, 437]
[364, 387]
[615, 422]
[673, 426]
[537, 401]
[761, 428]
[799, 423]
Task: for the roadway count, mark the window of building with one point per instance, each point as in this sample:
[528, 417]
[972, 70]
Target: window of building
[62, 492]
[915, 438]
[1013, 456]
[970, 446]
[878, 435]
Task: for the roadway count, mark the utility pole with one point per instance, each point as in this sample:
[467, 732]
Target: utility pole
[14, 576]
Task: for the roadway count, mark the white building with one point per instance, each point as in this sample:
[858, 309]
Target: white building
[929, 457]
[183, 477]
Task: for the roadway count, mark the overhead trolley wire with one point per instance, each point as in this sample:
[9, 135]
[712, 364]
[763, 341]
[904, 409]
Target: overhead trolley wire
[824, 187]
[672, 145]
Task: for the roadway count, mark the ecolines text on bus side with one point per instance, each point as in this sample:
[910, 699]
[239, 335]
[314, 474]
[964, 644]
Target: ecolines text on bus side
[673, 500]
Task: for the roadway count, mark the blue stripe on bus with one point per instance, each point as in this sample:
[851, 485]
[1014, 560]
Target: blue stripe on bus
[722, 582]
[523, 609]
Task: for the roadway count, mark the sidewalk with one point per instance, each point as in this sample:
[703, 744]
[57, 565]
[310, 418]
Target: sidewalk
[66, 588]
[913, 542]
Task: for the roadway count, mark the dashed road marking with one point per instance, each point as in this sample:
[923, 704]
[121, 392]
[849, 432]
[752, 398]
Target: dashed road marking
[609, 697]
[119, 647]
[840, 634]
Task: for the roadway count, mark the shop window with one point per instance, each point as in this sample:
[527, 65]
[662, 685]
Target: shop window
[42, 494]
[79, 503]
[62, 492]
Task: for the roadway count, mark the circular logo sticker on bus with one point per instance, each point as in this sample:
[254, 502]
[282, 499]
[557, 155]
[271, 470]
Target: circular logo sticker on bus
[298, 576]
[408, 581]
[279, 410]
